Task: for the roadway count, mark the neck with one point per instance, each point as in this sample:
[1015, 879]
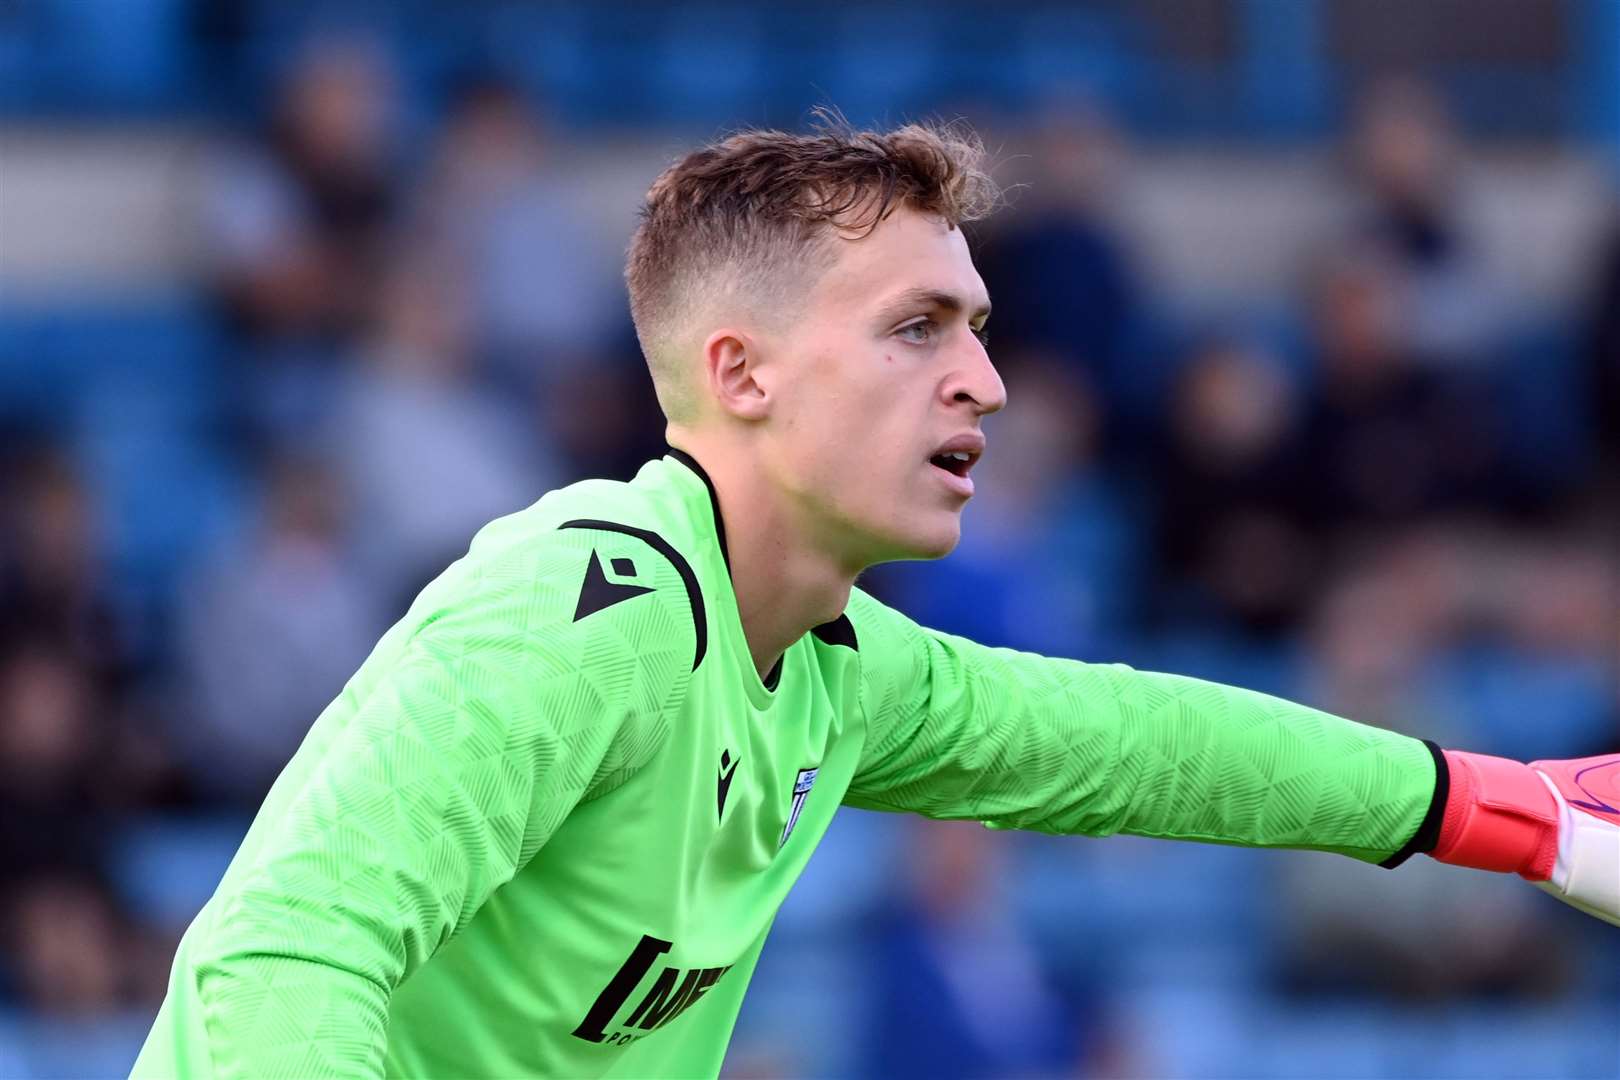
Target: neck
[783, 583]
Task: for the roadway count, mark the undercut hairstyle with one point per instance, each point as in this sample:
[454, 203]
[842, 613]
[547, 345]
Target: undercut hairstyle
[755, 217]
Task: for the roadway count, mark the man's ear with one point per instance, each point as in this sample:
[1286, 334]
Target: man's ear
[731, 363]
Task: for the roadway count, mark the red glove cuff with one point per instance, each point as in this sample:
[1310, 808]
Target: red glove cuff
[1499, 816]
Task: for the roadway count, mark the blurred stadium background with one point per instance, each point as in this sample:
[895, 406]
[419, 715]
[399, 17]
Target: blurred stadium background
[1310, 316]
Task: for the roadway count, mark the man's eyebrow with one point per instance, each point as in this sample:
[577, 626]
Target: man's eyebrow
[925, 297]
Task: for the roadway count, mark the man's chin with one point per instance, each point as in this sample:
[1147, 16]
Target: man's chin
[941, 547]
[919, 546]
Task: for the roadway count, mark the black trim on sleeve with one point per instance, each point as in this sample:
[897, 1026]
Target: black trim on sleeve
[694, 595]
[1428, 833]
[714, 499]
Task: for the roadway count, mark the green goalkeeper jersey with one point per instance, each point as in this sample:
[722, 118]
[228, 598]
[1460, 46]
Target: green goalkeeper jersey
[545, 828]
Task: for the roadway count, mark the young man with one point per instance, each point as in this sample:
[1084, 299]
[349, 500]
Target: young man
[545, 828]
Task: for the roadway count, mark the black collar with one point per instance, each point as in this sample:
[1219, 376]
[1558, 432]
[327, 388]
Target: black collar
[714, 499]
[775, 676]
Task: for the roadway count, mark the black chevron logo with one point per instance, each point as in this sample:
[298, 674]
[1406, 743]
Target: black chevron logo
[598, 592]
[728, 769]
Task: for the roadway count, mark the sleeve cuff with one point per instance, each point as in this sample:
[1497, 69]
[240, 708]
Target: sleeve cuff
[1428, 833]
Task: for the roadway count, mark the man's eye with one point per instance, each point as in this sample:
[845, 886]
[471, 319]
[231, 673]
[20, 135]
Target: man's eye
[920, 332]
[982, 332]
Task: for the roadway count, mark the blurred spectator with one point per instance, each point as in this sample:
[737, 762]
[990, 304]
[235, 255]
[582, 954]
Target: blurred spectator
[51, 589]
[543, 303]
[1058, 269]
[603, 416]
[298, 227]
[1376, 643]
[1544, 637]
[69, 949]
[959, 991]
[543, 292]
[1458, 635]
[71, 766]
[1424, 933]
[75, 742]
[1380, 628]
[1231, 489]
[1390, 441]
[52, 761]
[1556, 595]
[270, 631]
[1603, 355]
[429, 453]
[1405, 163]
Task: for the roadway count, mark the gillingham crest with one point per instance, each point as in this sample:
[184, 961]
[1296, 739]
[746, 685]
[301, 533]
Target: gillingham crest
[801, 788]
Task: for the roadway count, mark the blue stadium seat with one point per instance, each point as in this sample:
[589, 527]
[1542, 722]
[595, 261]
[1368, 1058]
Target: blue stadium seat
[1507, 1042]
[710, 61]
[1078, 52]
[162, 488]
[166, 868]
[1540, 391]
[52, 359]
[39, 1048]
[879, 62]
[548, 52]
[114, 57]
[134, 390]
[1213, 654]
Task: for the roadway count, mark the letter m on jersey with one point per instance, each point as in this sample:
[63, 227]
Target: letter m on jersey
[672, 992]
[664, 1002]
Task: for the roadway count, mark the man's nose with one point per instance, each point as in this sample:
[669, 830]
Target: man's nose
[976, 382]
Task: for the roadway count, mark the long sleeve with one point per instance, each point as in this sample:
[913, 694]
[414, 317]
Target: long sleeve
[956, 729]
[500, 702]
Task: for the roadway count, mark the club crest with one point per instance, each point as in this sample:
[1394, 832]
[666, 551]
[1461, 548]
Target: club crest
[801, 789]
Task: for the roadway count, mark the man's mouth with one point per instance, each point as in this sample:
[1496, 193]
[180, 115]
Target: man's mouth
[957, 463]
[955, 458]
[954, 475]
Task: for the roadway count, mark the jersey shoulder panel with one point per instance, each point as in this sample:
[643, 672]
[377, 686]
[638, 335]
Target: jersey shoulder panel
[893, 652]
[636, 529]
[869, 616]
[612, 607]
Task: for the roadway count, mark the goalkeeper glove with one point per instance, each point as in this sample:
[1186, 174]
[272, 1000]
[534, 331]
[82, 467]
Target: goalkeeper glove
[1554, 823]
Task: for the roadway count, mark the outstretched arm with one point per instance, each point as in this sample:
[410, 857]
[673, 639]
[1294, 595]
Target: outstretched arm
[960, 730]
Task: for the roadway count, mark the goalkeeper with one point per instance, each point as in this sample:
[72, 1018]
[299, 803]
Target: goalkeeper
[546, 826]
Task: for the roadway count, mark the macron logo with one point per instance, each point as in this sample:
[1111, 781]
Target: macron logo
[728, 769]
[598, 592]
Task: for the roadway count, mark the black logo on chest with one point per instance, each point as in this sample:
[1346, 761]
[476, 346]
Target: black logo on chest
[673, 992]
[728, 769]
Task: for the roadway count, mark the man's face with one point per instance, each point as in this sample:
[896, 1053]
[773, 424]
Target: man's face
[880, 378]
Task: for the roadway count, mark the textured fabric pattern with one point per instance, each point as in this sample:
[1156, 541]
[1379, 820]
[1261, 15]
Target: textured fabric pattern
[960, 730]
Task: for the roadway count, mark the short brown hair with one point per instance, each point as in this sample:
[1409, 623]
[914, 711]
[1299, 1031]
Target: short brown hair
[757, 210]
